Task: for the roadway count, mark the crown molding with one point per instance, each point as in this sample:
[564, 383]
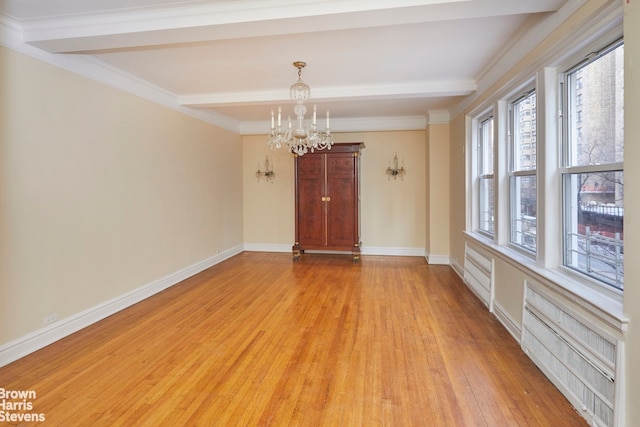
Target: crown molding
[94, 69]
[97, 70]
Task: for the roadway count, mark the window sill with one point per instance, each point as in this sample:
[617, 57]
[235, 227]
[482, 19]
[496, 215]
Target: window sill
[604, 304]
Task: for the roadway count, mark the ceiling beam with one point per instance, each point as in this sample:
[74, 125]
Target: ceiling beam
[413, 90]
[207, 21]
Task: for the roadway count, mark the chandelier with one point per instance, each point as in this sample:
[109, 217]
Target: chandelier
[299, 140]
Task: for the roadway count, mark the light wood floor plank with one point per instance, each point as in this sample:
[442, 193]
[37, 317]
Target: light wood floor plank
[260, 340]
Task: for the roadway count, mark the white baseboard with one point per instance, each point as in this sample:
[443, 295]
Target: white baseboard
[267, 247]
[392, 251]
[365, 250]
[41, 338]
[507, 321]
[438, 259]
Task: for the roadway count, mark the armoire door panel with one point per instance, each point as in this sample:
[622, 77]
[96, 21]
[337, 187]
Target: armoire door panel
[311, 211]
[341, 166]
[341, 216]
[311, 166]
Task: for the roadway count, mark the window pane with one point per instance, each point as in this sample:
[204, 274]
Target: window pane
[524, 133]
[485, 176]
[593, 230]
[595, 107]
[486, 147]
[523, 211]
[486, 205]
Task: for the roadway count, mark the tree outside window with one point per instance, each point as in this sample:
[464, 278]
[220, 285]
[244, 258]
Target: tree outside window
[593, 197]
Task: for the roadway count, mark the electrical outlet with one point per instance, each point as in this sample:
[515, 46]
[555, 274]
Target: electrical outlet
[47, 320]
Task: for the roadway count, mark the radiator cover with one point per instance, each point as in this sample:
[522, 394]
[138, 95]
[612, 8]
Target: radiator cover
[478, 274]
[577, 355]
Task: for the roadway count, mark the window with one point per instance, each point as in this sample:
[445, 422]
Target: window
[592, 178]
[557, 206]
[485, 176]
[522, 172]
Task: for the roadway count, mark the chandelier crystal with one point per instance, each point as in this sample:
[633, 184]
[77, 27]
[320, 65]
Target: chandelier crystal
[299, 140]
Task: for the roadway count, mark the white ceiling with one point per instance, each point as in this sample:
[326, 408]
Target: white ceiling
[367, 60]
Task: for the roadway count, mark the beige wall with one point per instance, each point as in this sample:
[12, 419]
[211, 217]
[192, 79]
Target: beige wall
[268, 206]
[437, 244]
[632, 208]
[393, 211]
[102, 192]
[458, 192]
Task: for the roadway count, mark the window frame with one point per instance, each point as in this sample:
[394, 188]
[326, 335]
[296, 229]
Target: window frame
[516, 174]
[484, 175]
[567, 171]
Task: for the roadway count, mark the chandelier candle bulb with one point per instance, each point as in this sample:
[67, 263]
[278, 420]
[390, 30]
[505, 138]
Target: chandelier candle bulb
[272, 121]
[279, 116]
[314, 114]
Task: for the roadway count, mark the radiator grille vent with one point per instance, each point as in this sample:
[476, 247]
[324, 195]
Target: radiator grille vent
[577, 358]
[478, 272]
[585, 334]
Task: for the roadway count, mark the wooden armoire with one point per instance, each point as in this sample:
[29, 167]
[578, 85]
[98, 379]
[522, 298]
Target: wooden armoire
[327, 200]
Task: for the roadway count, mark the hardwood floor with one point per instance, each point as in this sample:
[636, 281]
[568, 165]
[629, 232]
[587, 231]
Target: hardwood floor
[261, 340]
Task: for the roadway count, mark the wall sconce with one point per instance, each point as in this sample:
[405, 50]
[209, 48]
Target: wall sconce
[393, 170]
[267, 173]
